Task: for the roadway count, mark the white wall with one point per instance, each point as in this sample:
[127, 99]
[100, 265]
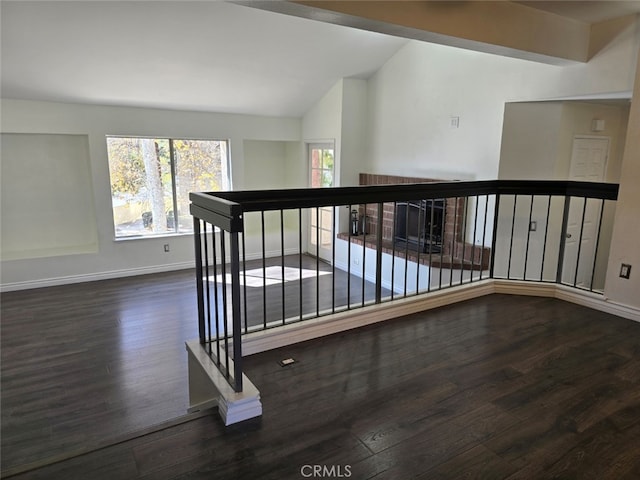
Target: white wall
[537, 143]
[626, 230]
[46, 196]
[409, 102]
[340, 117]
[323, 123]
[576, 120]
[353, 134]
[530, 141]
[414, 95]
[117, 258]
[537, 137]
[272, 164]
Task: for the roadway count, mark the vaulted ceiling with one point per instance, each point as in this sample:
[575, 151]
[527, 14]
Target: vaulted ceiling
[248, 57]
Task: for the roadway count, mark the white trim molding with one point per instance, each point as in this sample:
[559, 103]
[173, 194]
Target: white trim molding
[92, 277]
[209, 388]
[585, 298]
[319, 327]
[129, 272]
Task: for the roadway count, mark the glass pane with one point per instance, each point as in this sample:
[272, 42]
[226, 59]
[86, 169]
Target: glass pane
[327, 178]
[315, 158]
[313, 235]
[326, 217]
[327, 159]
[200, 167]
[325, 238]
[316, 178]
[141, 191]
[314, 217]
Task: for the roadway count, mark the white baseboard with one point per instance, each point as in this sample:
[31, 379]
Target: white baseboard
[92, 277]
[568, 294]
[128, 272]
[320, 327]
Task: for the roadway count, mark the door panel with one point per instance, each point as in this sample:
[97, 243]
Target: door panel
[588, 163]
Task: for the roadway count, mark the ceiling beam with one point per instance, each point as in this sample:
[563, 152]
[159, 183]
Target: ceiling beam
[498, 27]
[602, 33]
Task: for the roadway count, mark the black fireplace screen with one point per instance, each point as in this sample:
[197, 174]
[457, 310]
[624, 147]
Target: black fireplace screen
[420, 224]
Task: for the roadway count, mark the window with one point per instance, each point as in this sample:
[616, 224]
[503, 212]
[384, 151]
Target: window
[151, 179]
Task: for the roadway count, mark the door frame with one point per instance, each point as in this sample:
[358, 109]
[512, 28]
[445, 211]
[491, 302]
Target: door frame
[325, 254]
[570, 271]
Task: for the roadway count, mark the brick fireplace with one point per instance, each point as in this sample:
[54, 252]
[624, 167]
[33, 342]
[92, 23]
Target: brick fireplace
[453, 251]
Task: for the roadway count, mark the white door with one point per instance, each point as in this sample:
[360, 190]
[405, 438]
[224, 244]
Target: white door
[588, 163]
[321, 163]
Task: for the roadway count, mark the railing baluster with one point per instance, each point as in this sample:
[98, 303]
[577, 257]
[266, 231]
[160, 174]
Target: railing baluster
[431, 219]
[199, 278]
[223, 254]
[282, 269]
[563, 234]
[464, 239]
[453, 243]
[208, 290]
[364, 251]
[595, 251]
[442, 230]
[526, 251]
[351, 227]
[300, 263]
[473, 247]
[379, 232]
[216, 302]
[494, 238]
[244, 287]
[318, 225]
[393, 251]
[484, 234]
[236, 320]
[513, 222]
[406, 248]
[584, 211]
[333, 261]
[264, 273]
[420, 230]
[544, 243]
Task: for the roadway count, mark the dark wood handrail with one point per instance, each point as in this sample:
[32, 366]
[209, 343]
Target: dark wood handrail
[225, 209]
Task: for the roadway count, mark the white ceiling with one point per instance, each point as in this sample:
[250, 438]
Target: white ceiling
[203, 56]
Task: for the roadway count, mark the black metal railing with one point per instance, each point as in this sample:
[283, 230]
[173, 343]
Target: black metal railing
[271, 258]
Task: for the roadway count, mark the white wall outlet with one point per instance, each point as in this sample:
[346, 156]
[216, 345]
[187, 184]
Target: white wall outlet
[454, 122]
[625, 270]
[166, 248]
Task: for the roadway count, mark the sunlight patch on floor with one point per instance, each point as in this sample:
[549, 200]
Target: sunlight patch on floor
[259, 277]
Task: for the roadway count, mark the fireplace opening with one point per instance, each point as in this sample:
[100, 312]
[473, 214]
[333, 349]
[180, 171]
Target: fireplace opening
[420, 225]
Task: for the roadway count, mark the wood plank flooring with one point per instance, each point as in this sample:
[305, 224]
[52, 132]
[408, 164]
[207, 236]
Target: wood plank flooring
[500, 387]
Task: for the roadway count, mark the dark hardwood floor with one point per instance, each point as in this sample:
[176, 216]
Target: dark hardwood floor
[500, 387]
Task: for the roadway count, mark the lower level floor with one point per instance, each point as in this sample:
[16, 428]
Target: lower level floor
[94, 385]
